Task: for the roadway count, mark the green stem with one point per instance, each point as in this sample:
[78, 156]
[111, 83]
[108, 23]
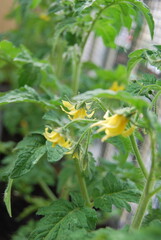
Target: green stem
[77, 64]
[82, 183]
[79, 120]
[76, 75]
[92, 25]
[143, 204]
[47, 191]
[152, 86]
[154, 102]
[101, 104]
[84, 159]
[138, 156]
[146, 195]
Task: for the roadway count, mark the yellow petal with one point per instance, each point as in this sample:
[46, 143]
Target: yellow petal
[99, 123]
[128, 132]
[81, 113]
[49, 135]
[90, 115]
[115, 87]
[68, 105]
[73, 112]
[117, 120]
[64, 110]
[44, 17]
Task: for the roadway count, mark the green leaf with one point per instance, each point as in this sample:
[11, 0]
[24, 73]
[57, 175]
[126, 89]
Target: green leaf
[25, 4]
[56, 153]
[23, 232]
[84, 4]
[31, 149]
[7, 197]
[108, 33]
[135, 57]
[8, 51]
[52, 116]
[35, 3]
[144, 9]
[116, 192]
[23, 94]
[29, 75]
[62, 216]
[146, 12]
[138, 102]
[123, 145]
[154, 214]
[77, 199]
[153, 57]
[112, 18]
[67, 174]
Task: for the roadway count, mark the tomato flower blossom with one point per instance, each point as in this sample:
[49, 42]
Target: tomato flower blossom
[113, 126]
[116, 87]
[75, 113]
[56, 138]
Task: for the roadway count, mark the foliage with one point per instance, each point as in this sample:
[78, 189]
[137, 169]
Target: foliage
[72, 190]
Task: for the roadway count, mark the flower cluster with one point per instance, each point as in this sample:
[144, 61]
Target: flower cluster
[54, 136]
[112, 125]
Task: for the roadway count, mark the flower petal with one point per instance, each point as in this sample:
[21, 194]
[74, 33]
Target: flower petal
[90, 115]
[128, 132]
[68, 105]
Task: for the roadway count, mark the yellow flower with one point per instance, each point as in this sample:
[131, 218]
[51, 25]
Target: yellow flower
[44, 17]
[56, 138]
[113, 126]
[115, 87]
[75, 113]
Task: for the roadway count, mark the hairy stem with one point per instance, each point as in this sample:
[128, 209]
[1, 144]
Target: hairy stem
[138, 156]
[47, 191]
[82, 183]
[77, 64]
[146, 195]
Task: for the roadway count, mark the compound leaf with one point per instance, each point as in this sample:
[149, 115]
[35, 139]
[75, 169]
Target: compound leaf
[116, 192]
[62, 216]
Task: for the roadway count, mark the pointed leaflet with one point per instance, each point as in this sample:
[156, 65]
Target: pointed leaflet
[7, 197]
[116, 192]
[146, 12]
[62, 216]
[31, 149]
